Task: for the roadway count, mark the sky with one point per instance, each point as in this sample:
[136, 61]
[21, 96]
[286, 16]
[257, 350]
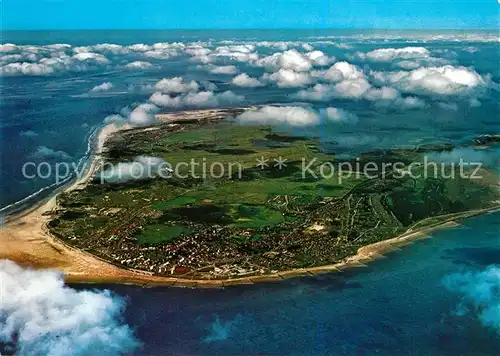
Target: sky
[248, 14]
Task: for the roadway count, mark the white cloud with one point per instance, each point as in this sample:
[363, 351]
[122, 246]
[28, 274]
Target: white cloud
[139, 47]
[287, 78]
[165, 100]
[102, 87]
[319, 92]
[138, 65]
[386, 96]
[291, 59]
[106, 48]
[343, 71]
[307, 47]
[445, 80]
[176, 85]
[295, 116]
[230, 69]
[339, 115]
[117, 119]
[162, 52]
[275, 115]
[26, 69]
[360, 89]
[143, 115]
[408, 64]
[86, 56]
[43, 316]
[417, 37]
[318, 58]
[352, 88]
[142, 167]
[55, 62]
[410, 102]
[383, 93]
[240, 53]
[200, 99]
[390, 54]
[347, 89]
[244, 80]
[406, 58]
[8, 47]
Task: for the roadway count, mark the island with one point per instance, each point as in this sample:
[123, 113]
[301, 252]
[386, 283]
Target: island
[237, 203]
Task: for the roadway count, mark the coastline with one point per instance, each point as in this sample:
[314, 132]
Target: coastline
[26, 240]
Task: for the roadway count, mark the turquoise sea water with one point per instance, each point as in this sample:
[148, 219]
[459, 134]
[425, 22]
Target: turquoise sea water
[415, 302]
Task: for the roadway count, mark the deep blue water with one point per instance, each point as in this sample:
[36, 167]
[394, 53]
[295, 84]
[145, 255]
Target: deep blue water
[394, 306]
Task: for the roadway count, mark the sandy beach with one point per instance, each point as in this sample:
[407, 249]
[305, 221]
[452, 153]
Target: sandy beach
[26, 241]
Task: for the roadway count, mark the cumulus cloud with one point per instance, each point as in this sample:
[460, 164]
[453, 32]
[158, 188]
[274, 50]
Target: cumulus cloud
[287, 78]
[386, 96]
[40, 315]
[360, 89]
[176, 85]
[318, 58]
[58, 62]
[295, 116]
[339, 115]
[85, 56]
[480, 294]
[351, 83]
[343, 71]
[275, 115]
[116, 119]
[245, 81]
[163, 50]
[200, 99]
[444, 81]
[239, 53]
[406, 58]
[348, 89]
[143, 115]
[230, 69]
[107, 48]
[102, 87]
[307, 47]
[142, 167]
[390, 54]
[291, 60]
[138, 65]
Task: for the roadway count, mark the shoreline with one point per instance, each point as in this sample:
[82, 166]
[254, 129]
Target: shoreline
[26, 241]
[95, 149]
